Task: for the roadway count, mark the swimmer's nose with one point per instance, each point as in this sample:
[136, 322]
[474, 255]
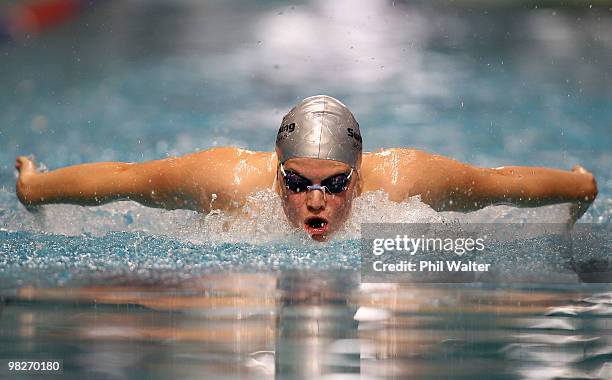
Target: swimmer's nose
[315, 199]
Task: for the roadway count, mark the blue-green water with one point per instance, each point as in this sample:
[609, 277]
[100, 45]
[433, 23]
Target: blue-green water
[122, 291]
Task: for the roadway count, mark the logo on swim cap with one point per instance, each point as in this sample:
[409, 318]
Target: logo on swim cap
[320, 127]
[286, 128]
[354, 134]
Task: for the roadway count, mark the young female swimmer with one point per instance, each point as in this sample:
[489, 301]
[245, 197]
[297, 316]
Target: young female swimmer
[317, 170]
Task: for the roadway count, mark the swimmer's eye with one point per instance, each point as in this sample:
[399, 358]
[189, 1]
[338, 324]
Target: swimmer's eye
[296, 182]
[337, 183]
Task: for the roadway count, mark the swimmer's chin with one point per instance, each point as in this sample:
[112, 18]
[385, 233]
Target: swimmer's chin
[322, 238]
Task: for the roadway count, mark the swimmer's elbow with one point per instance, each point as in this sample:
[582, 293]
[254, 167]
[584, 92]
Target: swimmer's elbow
[464, 189]
[154, 184]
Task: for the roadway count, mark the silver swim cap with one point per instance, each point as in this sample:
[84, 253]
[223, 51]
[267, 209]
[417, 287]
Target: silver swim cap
[320, 127]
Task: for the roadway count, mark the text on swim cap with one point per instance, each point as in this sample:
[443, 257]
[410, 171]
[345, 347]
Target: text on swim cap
[354, 134]
[287, 128]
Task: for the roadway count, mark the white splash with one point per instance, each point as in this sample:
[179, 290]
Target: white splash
[262, 220]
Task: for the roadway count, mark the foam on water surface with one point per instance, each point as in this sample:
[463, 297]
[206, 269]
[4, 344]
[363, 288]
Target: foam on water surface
[125, 239]
[261, 222]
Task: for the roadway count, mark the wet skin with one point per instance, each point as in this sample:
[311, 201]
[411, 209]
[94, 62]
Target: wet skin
[224, 178]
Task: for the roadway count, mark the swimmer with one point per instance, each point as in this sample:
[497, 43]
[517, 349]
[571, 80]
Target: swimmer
[317, 169]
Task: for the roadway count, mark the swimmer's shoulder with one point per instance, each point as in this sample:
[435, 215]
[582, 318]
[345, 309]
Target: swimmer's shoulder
[238, 169]
[393, 170]
[223, 177]
[227, 155]
[376, 162]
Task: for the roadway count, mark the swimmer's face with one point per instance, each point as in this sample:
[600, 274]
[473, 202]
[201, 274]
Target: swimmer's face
[317, 214]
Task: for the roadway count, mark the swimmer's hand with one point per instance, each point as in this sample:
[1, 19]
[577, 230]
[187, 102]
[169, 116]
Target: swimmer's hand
[579, 207]
[26, 169]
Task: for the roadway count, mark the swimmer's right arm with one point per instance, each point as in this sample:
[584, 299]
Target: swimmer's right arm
[200, 181]
[218, 178]
[150, 183]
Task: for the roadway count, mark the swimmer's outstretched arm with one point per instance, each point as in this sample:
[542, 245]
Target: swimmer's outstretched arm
[97, 183]
[451, 185]
[192, 182]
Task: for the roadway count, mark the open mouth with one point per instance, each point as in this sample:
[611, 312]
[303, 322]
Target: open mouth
[315, 225]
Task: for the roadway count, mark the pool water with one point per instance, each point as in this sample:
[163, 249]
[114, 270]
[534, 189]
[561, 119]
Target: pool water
[122, 291]
[297, 325]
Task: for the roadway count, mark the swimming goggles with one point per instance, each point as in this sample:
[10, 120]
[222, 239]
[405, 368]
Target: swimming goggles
[334, 184]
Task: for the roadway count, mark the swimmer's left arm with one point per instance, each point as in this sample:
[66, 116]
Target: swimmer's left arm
[453, 186]
[536, 186]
